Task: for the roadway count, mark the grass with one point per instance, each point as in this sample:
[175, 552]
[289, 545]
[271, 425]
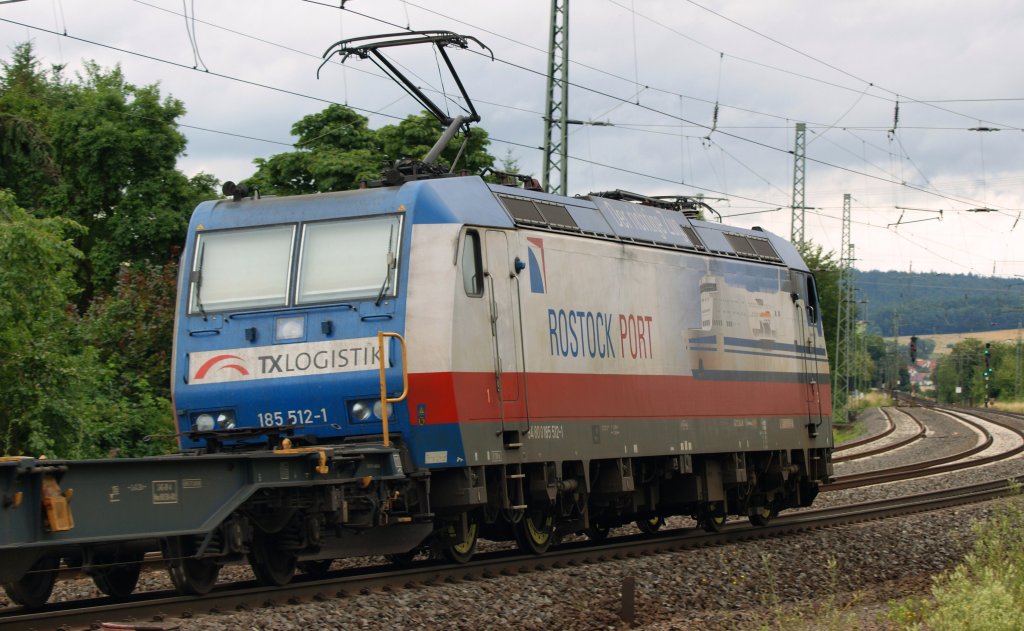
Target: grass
[870, 400]
[845, 432]
[985, 592]
[825, 613]
[1009, 406]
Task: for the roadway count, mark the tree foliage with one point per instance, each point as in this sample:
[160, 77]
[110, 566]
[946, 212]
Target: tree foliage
[941, 303]
[91, 211]
[42, 378]
[69, 390]
[336, 150]
[965, 367]
[825, 268]
[101, 152]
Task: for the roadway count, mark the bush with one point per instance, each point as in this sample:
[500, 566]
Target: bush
[986, 591]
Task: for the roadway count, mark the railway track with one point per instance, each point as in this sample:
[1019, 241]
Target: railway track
[890, 427]
[844, 450]
[934, 466]
[154, 608]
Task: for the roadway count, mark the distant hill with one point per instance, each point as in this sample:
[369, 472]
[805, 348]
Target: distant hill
[930, 304]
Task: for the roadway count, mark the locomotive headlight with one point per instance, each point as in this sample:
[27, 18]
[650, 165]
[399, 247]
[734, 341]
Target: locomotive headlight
[290, 328]
[360, 411]
[226, 420]
[378, 410]
[204, 423]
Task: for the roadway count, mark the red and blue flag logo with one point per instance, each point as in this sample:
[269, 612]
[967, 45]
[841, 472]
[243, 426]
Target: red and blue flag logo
[538, 270]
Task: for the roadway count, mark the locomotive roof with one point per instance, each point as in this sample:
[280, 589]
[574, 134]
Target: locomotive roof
[469, 200]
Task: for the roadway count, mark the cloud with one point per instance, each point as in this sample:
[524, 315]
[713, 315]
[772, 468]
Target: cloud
[652, 68]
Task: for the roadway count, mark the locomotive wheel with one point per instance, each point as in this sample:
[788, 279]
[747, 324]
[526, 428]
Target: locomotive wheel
[462, 552]
[597, 531]
[650, 526]
[762, 515]
[34, 588]
[189, 575]
[316, 569]
[712, 519]
[271, 565]
[535, 532]
[118, 574]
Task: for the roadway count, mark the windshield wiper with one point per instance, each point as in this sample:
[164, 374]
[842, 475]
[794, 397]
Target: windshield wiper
[390, 264]
[197, 278]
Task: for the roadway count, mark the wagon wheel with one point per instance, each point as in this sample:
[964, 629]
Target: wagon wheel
[189, 574]
[463, 552]
[272, 565]
[117, 574]
[34, 588]
[650, 526]
[316, 569]
[535, 532]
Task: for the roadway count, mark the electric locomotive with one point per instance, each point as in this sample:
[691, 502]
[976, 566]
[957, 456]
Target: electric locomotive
[570, 363]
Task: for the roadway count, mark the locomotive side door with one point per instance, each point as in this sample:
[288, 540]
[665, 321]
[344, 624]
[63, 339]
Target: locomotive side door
[505, 328]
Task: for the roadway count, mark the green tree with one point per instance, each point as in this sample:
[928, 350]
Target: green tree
[416, 135]
[44, 381]
[25, 151]
[96, 208]
[132, 327]
[336, 150]
[117, 145]
[963, 367]
[825, 268]
[61, 394]
[102, 152]
[150, 223]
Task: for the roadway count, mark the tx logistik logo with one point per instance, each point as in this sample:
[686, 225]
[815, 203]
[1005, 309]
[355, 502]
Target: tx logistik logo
[219, 359]
[283, 360]
[538, 270]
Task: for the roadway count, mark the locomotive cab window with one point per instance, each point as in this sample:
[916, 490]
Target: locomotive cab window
[351, 258]
[472, 269]
[812, 301]
[241, 269]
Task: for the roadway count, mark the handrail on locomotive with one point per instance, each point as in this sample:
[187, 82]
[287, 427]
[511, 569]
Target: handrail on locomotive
[385, 400]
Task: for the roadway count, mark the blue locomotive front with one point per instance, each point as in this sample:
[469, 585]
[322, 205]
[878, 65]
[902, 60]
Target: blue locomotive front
[280, 303]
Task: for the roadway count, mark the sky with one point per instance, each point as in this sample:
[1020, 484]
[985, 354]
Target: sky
[914, 108]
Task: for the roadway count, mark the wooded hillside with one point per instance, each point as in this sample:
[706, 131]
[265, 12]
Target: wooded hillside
[938, 303]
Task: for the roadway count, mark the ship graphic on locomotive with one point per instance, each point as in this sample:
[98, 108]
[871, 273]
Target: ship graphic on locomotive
[433, 360]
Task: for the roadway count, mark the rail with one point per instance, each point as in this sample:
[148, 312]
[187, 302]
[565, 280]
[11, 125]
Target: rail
[384, 400]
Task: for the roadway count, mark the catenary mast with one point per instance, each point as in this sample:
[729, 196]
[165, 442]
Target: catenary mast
[554, 172]
[796, 232]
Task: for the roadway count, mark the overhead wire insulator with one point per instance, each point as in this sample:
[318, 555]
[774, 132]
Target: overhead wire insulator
[895, 119]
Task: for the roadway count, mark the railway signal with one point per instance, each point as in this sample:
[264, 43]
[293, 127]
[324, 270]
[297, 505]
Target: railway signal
[913, 348]
[988, 368]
